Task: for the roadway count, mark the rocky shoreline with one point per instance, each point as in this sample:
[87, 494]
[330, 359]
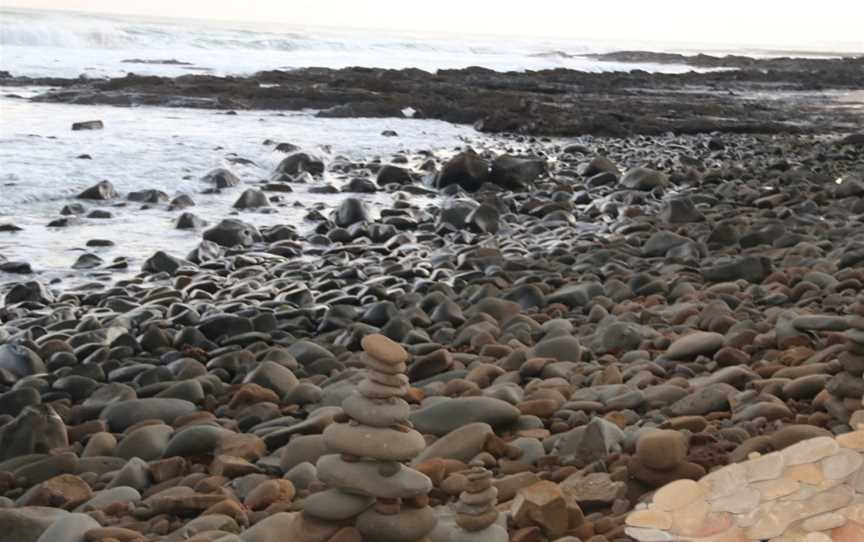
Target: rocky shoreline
[530, 340]
[547, 103]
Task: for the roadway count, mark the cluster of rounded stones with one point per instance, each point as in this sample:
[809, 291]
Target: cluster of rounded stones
[368, 483]
[846, 388]
[476, 515]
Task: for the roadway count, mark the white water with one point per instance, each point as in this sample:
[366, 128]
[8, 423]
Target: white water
[38, 43]
[167, 149]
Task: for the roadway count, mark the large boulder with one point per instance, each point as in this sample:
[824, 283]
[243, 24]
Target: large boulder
[390, 174]
[300, 162]
[642, 178]
[221, 178]
[456, 212]
[162, 262]
[148, 196]
[231, 232]
[466, 169]
[20, 360]
[598, 165]
[252, 198]
[189, 221]
[350, 211]
[87, 125]
[101, 191]
[33, 291]
[37, 430]
[516, 173]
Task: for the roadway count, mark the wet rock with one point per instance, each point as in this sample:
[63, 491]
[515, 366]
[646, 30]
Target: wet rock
[642, 178]
[87, 125]
[20, 360]
[360, 185]
[33, 291]
[221, 178]
[466, 170]
[516, 173]
[231, 232]
[160, 262]
[351, 211]
[390, 174]
[101, 191]
[188, 221]
[301, 162]
[8, 227]
[252, 198]
[148, 196]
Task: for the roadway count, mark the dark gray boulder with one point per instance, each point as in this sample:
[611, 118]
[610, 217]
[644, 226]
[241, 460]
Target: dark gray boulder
[102, 191]
[466, 169]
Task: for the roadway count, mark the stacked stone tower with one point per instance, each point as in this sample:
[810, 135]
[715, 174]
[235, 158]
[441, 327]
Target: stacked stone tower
[366, 472]
[475, 511]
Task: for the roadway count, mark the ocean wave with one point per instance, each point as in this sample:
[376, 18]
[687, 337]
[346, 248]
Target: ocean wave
[75, 32]
[71, 31]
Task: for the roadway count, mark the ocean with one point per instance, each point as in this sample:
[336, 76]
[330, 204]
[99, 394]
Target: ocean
[170, 149]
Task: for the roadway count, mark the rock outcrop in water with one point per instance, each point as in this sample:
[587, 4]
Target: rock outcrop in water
[545, 102]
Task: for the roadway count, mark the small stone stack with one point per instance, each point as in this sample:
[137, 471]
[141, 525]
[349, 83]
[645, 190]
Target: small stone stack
[366, 474]
[846, 388]
[475, 511]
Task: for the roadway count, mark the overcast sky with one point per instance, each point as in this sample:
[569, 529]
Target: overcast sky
[748, 22]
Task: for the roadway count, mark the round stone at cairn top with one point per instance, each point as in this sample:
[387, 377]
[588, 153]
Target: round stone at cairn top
[384, 350]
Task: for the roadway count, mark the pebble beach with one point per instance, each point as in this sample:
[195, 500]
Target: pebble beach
[542, 328]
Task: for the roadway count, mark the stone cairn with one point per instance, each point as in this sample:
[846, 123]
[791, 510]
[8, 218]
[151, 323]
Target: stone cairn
[368, 480]
[475, 511]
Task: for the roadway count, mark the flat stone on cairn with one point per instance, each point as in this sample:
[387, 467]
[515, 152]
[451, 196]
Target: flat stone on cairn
[371, 449]
[476, 514]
